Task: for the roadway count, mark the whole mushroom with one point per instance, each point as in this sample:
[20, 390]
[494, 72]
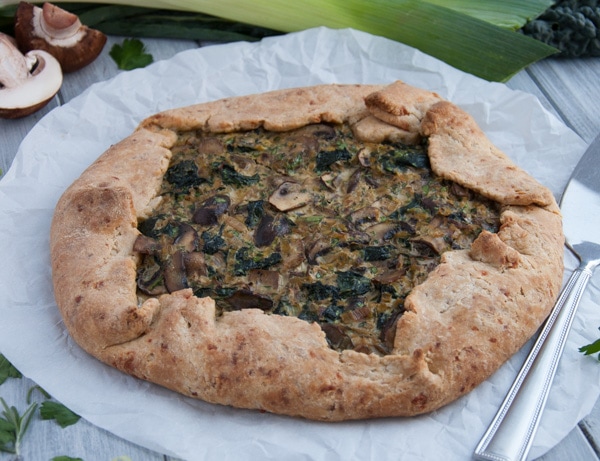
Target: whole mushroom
[58, 32]
[27, 82]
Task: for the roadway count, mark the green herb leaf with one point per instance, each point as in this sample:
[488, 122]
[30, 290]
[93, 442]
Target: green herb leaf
[56, 410]
[65, 458]
[13, 427]
[590, 349]
[7, 370]
[131, 54]
[36, 388]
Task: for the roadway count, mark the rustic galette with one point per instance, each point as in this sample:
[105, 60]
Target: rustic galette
[332, 252]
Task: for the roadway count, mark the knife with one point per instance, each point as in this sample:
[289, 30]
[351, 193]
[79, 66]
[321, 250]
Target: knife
[510, 435]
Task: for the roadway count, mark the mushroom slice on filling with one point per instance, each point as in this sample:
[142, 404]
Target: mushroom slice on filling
[289, 196]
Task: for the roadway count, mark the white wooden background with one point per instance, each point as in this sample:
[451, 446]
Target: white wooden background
[569, 88]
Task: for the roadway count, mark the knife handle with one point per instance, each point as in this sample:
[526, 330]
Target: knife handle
[510, 435]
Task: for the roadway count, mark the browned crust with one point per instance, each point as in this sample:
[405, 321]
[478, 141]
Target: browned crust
[475, 310]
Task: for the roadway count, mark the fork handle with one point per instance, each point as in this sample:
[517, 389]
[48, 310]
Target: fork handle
[511, 432]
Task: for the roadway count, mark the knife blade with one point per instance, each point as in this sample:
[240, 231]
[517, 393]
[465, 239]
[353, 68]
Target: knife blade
[510, 434]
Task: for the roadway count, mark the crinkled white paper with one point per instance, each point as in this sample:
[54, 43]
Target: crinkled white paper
[66, 141]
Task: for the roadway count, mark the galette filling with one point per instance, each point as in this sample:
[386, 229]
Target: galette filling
[309, 223]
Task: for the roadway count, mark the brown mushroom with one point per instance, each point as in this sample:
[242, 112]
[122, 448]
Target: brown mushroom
[211, 209]
[270, 227]
[146, 245]
[246, 299]
[265, 278]
[384, 231]
[187, 238]
[364, 215]
[316, 249]
[289, 196]
[58, 32]
[194, 263]
[174, 272]
[27, 82]
[436, 244]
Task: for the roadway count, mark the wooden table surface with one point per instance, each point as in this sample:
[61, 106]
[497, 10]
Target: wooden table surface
[568, 88]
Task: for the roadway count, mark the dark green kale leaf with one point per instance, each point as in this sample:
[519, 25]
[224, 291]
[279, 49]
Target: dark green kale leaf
[326, 158]
[352, 284]
[245, 262]
[233, 178]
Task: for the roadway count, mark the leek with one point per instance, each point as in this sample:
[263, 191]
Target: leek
[459, 32]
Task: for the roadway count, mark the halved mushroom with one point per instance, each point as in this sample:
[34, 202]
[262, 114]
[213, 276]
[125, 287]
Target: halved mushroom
[58, 32]
[27, 82]
[289, 196]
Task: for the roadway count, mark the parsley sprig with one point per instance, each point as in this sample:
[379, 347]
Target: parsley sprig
[13, 427]
[590, 349]
[131, 54]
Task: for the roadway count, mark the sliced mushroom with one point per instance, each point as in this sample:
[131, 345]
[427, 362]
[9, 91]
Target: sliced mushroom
[187, 239]
[364, 215]
[336, 336]
[210, 145]
[27, 82]
[270, 227]
[316, 249]
[390, 276]
[289, 196]
[146, 245]
[58, 32]
[174, 272]
[195, 264]
[246, 299]
[211, 209]
[382, 232]
[364, 157]
[437, 244]
[265, 278]
[150, 280]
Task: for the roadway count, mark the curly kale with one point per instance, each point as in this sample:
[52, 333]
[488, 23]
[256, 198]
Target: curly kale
[572, 26]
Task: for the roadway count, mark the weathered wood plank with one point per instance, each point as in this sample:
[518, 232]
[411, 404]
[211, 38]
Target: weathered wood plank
[46, 439]
[572, 86]
[574, 447]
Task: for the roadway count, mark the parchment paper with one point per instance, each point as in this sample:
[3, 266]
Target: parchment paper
[32, 335]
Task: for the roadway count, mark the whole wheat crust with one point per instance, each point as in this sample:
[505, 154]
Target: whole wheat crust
[474, 311]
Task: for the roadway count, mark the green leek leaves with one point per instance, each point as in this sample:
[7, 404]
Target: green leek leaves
[476, 36]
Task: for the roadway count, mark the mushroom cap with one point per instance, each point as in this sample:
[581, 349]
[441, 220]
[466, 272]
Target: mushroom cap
[58, 32]
[26, 89]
